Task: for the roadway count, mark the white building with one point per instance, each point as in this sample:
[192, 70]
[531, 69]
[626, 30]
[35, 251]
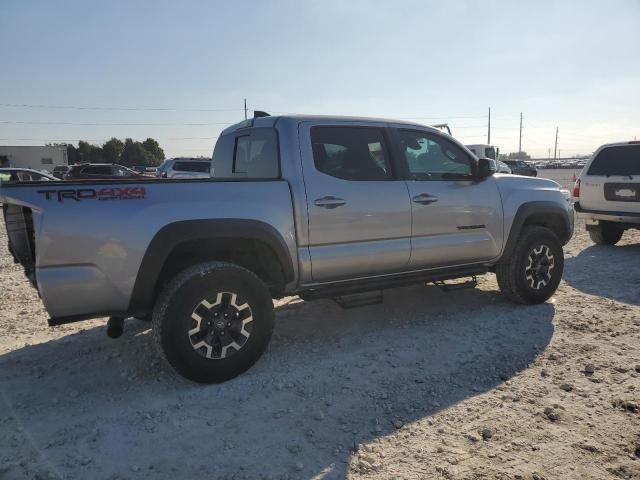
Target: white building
[36, 157]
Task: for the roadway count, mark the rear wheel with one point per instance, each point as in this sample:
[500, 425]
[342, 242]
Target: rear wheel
[534, 270]
[606, 233]
[213, 321]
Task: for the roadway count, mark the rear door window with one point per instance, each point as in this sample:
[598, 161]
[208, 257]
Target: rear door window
[618, 160]
[97, 170]
[351, 153]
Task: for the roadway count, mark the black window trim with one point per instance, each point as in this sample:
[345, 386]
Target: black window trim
[396, 174]
[404, 168]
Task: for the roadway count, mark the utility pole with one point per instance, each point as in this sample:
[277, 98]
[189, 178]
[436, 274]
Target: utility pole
[520, 140]
[489, 129]
[549, 153]
[245, 108]
[555, 149]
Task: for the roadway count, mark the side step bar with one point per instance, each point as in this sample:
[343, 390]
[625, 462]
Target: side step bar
[355, 300]
[450, 287]
[391, 281]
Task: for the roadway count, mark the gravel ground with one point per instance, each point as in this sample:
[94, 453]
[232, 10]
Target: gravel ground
[460, 385]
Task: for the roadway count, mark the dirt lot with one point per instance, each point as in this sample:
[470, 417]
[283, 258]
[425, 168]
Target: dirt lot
[459, 385]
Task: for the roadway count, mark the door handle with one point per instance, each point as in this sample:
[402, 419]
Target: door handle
[329, 202]
[425, 199]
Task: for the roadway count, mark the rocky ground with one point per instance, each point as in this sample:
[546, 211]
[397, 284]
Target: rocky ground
[460, 385]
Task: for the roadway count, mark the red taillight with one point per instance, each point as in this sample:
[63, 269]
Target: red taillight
[576, 189]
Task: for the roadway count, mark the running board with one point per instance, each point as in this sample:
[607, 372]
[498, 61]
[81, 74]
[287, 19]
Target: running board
[359, 299]
[450, 287]
[339, 289]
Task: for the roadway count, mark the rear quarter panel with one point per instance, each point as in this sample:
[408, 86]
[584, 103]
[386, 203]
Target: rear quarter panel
[88, 251]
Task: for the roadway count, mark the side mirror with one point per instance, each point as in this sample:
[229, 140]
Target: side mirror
[486, 167]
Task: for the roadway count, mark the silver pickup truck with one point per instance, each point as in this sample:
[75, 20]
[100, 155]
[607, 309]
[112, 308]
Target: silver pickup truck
[296, 205]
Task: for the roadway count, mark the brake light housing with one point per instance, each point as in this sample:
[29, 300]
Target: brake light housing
[576, 189]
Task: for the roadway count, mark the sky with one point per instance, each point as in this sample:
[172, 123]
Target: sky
[179, 71]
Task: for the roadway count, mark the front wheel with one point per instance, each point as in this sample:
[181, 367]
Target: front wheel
[213, 321]
[534, 270]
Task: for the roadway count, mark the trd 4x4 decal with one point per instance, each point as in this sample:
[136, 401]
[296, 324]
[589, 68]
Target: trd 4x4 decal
[108, 193]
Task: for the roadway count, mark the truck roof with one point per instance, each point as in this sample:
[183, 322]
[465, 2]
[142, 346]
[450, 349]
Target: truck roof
[270, 121]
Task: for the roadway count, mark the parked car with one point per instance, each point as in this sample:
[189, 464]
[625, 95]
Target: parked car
[607, 192]
[315, 206]
[101, 171]
[520, 167]
[184, 168]
[19, 175]
[503, 167]
[59, 171]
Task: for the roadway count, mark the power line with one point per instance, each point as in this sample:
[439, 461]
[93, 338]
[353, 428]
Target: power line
[124, 109]
[117, 124]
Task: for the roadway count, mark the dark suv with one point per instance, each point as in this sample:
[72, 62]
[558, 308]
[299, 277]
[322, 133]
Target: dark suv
[100, 171]
[520, 167]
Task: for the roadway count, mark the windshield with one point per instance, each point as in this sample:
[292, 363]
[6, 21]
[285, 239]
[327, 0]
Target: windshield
[618, 160]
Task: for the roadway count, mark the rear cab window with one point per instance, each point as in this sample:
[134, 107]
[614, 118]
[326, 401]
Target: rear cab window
[249, 153]
[620, 160]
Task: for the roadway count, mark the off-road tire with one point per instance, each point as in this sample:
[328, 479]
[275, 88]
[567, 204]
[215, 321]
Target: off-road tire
[172, 320]
[606, 233]
[512, 273]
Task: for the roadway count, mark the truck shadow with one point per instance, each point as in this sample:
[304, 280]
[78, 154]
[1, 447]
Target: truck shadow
[331, 380]
[611, 272]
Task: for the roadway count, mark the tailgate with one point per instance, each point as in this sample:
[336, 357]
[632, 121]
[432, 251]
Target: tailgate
[610, 193]
[19, 224]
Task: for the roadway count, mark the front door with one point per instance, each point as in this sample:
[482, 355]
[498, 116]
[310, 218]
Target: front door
[457, 219]
[359, 210]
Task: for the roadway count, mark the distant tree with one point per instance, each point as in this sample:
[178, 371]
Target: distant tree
[515, 156]
[73, 155]
[129, 153]
[134, 154]
[153, 147]
[112, 150]
[90, 153]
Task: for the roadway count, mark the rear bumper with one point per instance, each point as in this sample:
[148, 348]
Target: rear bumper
[606, 215]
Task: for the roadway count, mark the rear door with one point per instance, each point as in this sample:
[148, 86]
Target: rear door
[359, 210]
[612, 180]
[456, 218]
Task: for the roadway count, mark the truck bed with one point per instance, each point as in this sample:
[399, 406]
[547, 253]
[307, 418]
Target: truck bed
[82, 243]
